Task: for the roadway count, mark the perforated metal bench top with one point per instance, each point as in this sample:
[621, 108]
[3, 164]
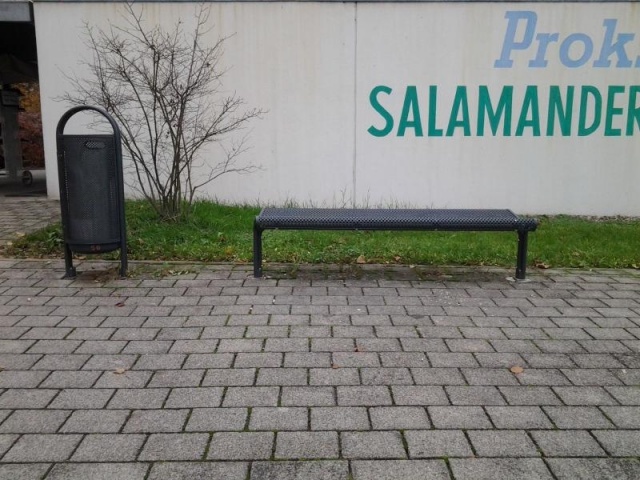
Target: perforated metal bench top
[391, 219]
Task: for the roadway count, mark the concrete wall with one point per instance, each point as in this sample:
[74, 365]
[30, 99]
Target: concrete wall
[379, 103]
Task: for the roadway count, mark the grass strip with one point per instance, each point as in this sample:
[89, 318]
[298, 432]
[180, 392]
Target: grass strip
[217, 233]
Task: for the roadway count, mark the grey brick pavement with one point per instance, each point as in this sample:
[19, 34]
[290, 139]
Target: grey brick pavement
[393, 373]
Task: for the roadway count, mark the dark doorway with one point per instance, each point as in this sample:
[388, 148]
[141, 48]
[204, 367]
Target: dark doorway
[21, 150]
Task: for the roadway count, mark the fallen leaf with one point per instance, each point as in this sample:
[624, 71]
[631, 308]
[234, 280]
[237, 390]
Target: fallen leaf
[361, 259]
[397, 258]
[20, 234]
[542, 265]
[333, 365]
[119, 371]
[516, 369]
[120, 304]
[357, 349]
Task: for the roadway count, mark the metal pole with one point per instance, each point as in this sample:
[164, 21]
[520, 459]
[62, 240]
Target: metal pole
[521, 265]
[257, 250]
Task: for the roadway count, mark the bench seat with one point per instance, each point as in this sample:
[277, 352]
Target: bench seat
[392, 219]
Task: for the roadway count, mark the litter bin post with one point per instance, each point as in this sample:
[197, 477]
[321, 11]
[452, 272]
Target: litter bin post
[91, 191]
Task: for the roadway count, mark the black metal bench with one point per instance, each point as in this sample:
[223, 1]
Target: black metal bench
[392, 219]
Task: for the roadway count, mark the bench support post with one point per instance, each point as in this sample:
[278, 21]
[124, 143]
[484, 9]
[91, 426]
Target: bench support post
[257, 251]
[521, 265]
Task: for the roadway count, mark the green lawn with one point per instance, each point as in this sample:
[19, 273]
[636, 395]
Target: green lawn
[224, 233]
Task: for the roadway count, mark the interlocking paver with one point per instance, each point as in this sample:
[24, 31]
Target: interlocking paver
[372, 445]
[193, 470]
[437, 443]
[574, 443]
[42, 448]
[241, 446]
[505, 469]
[108, 448]
[494, 443]
[324, 469]
[34, 421]
[307, 445]
[394, 469]
[595, 468]
[217, 419]
[174, 446]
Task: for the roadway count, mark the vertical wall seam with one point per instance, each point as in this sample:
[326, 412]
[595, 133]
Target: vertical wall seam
[355, 99]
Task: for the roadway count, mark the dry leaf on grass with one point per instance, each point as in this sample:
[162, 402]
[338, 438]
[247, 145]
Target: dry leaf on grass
[361, 259]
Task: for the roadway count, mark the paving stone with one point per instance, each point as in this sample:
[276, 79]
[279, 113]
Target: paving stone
[109, 362]
[452, 360]
[372, 445]
[331, 376]
[261, 360]
[527, 395]
[108, 448]
[363, 396]
[495, 443]
[23, 361]
[160, 362]
[194, 346]
[282, 376]
[584, 396]
[306, 445]
[307, 360]
[233, 377]
[321, 470]
[399, 418]
[174, 446]
[623, 443]
[30, 471]
[134, 398]
[529, 417]
[577, 417]
[176, 378]
[199, 470]
[458, 417]
[217, 419]
[395, 469]
[251, 397]
[437, 443]
[625, 395]
[307, 396]
[34, 421]
[279, 418]
[21, 379]
[622, 417]
[595, 468]
[70, 380]
[592, 376]
[386, 376]
[574, 443]
[419, 395]
[156, 421]
[241, 446]
[95, 421]
[356, 359]
[209, 360]
[18, 398]
[438, 376]
[81, 398]
[547, 376]
[99, 471]
[339, 418]
[502, 468]
[549, 360]
[194, 397]
[465, 395]
[42, 448]
[126, 380]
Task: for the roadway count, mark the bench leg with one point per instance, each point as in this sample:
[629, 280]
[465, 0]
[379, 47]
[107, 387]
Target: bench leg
[521, 265]
[257, 251]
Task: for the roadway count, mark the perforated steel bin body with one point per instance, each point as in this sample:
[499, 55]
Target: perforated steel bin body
[91, 192]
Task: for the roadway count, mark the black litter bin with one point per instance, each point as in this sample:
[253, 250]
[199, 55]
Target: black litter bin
[91, 192]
